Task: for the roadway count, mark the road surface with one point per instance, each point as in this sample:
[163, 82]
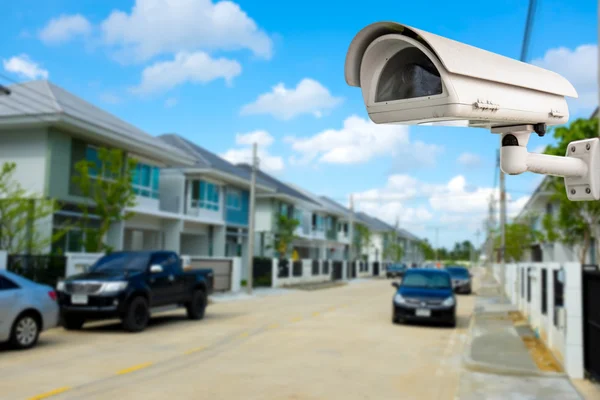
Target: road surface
[328, 344]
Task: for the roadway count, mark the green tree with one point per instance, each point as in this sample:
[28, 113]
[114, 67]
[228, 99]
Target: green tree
[575, 222]
[427, 249]
[394, 250]
[362, 240]
[285, 234]
[107, 185]
[20, 214]
[518, 238]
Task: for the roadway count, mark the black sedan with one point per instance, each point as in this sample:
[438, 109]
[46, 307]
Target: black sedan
[395, 270]
[461, 279]
[424, 295]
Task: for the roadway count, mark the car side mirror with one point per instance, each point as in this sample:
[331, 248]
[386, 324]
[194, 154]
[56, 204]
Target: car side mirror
[396, 285]
[156, 269]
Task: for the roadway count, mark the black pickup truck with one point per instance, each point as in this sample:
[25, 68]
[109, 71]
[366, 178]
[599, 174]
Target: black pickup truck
[129, 285]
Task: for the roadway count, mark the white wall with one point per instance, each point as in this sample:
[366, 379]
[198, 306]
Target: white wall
[172, 190]
[263, 215]
[376, 249]
[28, 149]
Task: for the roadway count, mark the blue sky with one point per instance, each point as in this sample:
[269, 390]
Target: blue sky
[225, 74]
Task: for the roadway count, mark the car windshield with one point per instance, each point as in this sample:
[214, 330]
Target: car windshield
[122, 262]
[458, 272]
[429, 280]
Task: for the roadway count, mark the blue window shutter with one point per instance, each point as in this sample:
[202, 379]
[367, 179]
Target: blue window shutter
[135, 176]
[202, 190]
[155, 178]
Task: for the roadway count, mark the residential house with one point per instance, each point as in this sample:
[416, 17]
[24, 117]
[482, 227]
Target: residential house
[327, 229]
[533, 213]
[46, 130]
[291, 203]
[216, 194]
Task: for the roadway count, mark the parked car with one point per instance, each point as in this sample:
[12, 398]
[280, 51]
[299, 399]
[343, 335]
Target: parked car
[130, 285]
[26, 309]
[424, 295]
[395, 270]
[461, 279]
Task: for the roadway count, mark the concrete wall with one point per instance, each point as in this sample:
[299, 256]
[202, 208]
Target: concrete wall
[263, 215]
[306, 277]
[29, 150]
[172, 190]
[565, 339]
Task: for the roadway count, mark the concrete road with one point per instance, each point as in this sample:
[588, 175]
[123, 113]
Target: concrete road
[329, 344]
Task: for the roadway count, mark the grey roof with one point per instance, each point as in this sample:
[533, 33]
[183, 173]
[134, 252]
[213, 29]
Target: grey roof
[326, 206]
[49, 103]
[279, 186]
[373, 223]
[207, 159]
[335, 205]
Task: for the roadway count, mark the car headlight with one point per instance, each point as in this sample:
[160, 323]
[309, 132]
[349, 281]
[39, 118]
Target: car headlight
[109, 287]
[448, 302]
[399, 299]
[60, 286]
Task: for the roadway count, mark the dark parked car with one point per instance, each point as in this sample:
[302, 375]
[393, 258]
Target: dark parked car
[461, 279]
[425, 295]
[129, 285]
[395, 270]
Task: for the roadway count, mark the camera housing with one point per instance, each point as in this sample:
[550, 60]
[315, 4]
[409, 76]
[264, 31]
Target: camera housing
[410, 76]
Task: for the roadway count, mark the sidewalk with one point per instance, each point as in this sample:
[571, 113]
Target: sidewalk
[497, 364]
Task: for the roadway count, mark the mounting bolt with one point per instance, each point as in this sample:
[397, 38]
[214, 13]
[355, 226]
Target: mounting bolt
[587, 146]
[572, 149]
[573, 191]
[588, 190]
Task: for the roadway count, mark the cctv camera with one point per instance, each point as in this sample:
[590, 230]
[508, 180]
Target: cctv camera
[410, 76]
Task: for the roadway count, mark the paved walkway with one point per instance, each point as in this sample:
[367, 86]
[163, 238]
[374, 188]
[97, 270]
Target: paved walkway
[497, 364]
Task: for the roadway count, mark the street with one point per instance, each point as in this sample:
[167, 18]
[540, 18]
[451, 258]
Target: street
[325, 344]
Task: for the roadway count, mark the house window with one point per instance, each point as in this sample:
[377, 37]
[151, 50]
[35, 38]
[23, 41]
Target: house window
[73, 241]
[234, 199]
[318, 223]
[284, 209]
[205, 195]
[145, 180]
[549, 208]
[97, 168]
[298, 214]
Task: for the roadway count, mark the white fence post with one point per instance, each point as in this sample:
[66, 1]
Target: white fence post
[3, 259]
[275, 274]
[236, 274]
[78, 263]
[344, 270]
[574, 320]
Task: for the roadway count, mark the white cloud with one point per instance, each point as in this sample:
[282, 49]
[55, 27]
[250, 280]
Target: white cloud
[154, 27]
[243, 154]
[580, 67]
[261, 138]
[110, 98]
[198, 67]
[360, 140]
[25, 67]
[469, 160]
[171, 102]
[418, 204]
[64, 28]
[308, 97]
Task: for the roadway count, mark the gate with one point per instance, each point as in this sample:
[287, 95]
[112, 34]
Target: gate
[591, 320]
[337, 271]
[221, 269]
[297, 268]
[529, 284]
[44, 269]
[262, 271]
[376, 268]
[325, 267]
[353, 269]
[315, 267]
[283, 266]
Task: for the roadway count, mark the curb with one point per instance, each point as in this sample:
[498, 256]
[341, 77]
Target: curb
[477, 366]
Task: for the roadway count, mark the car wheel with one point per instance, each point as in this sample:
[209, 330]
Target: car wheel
[72, 323]
[25, 331]
[137, 315]
[197, 306]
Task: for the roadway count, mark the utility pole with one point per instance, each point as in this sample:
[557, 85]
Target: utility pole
[502, 231]
[251, 218]
[351, 229]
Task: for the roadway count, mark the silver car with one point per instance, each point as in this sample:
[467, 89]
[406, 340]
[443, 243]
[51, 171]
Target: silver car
[26, 309]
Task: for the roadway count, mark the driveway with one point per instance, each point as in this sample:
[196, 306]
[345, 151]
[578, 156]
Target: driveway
[330, 344]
